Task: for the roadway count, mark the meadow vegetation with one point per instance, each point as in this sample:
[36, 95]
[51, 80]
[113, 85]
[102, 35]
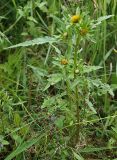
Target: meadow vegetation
[58, 79]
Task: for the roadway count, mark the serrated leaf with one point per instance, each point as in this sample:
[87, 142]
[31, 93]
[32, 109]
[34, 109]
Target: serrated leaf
[48, 102]
[35, 41]
[100, 19]
[39, 72]
[54, 78]
[90, 105]
[88, 69]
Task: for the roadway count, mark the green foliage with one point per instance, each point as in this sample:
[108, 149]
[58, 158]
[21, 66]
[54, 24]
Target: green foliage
[58, 80]
[36, 41]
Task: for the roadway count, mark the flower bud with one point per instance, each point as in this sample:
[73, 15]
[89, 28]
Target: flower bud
[64, 61]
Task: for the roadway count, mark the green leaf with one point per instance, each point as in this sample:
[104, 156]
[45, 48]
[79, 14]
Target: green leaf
[100, 19]
[39, 72]
[50, 101]
[60, 121]
[17, 119]
[90, 106]
[23, 147]
[88, 69]
[32, 19]
[89, 149]
[54, 78]
[4, 142]
[114, 129]
[106, 56]
[54, 6]
[35, 41]
[17, 138]
[77, 156]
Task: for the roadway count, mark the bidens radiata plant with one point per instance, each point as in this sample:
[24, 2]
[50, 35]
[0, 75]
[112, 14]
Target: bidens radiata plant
[54, 88]
[74, 79]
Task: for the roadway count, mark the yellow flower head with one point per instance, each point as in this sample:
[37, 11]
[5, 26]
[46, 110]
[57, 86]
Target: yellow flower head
[75, 18]
[64, 61]
[83, 31]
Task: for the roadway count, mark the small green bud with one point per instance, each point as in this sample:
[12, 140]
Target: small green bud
[76, 71]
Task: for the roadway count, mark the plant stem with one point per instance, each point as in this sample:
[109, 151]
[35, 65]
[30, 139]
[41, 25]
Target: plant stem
[76, 92]
[104, 53]
[68, 87]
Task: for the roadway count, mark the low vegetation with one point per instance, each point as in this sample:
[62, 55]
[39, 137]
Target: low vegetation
[58, 80]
